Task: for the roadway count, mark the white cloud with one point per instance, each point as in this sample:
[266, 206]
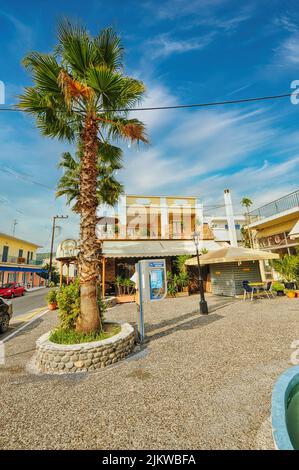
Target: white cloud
[163, 45]
[288, 52]
[206, 151]
[178, 8]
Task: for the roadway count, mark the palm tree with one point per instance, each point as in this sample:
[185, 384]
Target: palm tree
[76, 93]
[108, 188]
[246, 202]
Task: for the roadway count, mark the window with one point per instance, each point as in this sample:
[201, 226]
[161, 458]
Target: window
[226, 226]
[237, 226]
[20, 253]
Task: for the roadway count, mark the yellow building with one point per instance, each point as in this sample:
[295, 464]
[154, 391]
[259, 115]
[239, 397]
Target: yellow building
[18, 262]
[272, 224]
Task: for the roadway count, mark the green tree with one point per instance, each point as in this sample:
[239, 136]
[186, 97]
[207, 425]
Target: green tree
[75, 96]
[287, 267]
[108, 188]
[246, 202]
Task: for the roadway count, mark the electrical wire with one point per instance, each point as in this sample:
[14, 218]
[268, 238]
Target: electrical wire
[182, 106]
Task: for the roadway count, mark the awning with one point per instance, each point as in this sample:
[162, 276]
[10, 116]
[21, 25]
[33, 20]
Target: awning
[232, 254]
[294, 233]
[153, 248]
[22, 270]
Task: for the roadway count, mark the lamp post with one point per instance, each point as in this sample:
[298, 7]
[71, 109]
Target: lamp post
[203, 306]
[52, 243]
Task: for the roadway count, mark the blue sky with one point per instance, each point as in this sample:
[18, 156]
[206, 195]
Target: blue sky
[195, 51]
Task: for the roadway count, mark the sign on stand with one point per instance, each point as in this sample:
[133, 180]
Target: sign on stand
[151, 285]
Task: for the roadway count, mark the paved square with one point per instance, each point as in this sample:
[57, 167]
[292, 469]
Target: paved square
[200, 382]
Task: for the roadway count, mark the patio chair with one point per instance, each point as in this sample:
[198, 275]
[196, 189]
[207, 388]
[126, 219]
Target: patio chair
[268, 290]
[248, 290]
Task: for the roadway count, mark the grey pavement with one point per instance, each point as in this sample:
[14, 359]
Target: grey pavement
[200, 382]
[30, 301]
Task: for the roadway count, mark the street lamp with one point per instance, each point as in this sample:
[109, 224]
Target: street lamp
[52, 243]
[203, 306]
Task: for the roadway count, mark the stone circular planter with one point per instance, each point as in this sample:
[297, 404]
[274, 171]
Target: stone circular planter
[64, 358]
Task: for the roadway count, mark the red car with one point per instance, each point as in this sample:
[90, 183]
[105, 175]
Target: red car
[13, 289]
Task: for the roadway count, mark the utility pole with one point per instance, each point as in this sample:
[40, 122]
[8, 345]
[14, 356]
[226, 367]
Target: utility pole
[14, 224]
[52, 242]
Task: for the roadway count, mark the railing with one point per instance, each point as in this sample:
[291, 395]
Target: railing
[279, 205]
[18, 260]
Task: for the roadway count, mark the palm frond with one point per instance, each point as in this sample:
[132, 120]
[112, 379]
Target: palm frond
[108, 50]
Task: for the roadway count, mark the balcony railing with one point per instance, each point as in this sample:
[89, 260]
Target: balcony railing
[19, 260]
[290, 201]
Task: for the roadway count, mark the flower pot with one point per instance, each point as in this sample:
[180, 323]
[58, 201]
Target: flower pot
[182, 294]
[291, 294]
[52, 306]
[121, 299]
[280, 293]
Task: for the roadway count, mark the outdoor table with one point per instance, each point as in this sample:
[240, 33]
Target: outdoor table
[259, 286]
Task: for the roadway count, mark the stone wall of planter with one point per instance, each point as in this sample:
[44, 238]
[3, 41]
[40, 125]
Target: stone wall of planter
[59, 358]
[110, 302]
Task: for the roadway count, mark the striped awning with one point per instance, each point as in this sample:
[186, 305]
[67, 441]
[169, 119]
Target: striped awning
[153, 248]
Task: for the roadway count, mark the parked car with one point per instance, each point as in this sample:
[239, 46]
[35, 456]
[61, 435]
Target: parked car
[13, 289]
[5, 314]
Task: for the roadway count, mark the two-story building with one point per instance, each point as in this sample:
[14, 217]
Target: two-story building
[219, 226]
[273, 226]
[141, 227]
[18, 262]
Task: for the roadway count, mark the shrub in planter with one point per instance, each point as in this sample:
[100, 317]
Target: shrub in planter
[68, 301]
[52, 299]
[278, 287]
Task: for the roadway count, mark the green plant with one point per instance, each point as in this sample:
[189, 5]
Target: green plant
[52, 284]
[70, 336]
[180, 262]
[119, 284]
[277, 286]
[182, 280]
[171, 284]
[68, 301]
[52, 296]
[287, 267]
[204, 251]
[129, 286]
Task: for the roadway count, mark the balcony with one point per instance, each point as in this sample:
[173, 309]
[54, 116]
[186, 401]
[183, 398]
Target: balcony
[22, 261]
[285, 203]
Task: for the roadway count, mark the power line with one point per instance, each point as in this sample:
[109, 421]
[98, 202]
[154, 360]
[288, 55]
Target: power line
[182, 106]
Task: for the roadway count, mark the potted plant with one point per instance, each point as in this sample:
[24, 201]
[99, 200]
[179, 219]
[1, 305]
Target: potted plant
[52, 299]
[291, 293]
[126, 290]
[182, 281]
[279, 288]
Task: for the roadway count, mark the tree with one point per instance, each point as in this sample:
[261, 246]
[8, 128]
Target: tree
[108, 188]
[288, 267]
[246, 202]
[75, 96]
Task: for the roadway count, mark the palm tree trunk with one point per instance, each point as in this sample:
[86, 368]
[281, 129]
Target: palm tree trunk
[89, 318]
[249, 231]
